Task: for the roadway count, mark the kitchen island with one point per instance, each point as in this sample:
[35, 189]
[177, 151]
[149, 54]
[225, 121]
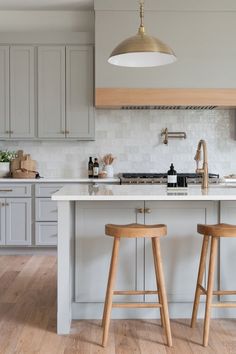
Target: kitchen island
[84, 251]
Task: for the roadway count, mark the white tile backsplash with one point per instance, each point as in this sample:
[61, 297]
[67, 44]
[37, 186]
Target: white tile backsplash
[134, 138]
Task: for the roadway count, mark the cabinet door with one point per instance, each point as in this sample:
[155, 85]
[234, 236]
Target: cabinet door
[4, 92]
[2, 221]
[180, 248]
[18, 221]
[51, 92]
[93, 250]
[227, 252]
[22, 92]
[79, 92]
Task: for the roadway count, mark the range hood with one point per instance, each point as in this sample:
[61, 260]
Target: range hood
[151, 98]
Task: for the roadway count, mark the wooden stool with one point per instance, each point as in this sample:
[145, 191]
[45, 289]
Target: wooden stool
[213, 233]
[136, 231]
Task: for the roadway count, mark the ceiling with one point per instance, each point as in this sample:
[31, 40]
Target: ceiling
[46, 5]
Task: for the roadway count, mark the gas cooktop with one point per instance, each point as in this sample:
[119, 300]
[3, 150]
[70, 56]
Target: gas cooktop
[161, 178]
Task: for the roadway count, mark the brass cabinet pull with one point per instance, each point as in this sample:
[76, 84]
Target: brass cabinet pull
[11, 132]
[67, 132]
[63, 132]
[2, 204]
[7, 204]
[140, 210]
[6, 190]
[147, 210]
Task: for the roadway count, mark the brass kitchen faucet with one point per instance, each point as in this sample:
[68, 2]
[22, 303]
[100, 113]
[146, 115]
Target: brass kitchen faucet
[204, 170]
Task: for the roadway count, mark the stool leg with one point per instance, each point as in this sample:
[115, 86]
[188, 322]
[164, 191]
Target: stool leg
[210, 285]
[110, 286]
[157, 282]
[162, 289]
[200, 279]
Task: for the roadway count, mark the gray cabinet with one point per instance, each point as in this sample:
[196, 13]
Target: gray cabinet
[227, 252]
[2, 222]
[22, 92]
[4, 92]
[65, 92]
[79, 92]
[93, 250]
[15, 221]
[63, 96]
[46, 214]
[46, 233]
[181, 247]
[51, 92]
[15, 214]
[18, 221]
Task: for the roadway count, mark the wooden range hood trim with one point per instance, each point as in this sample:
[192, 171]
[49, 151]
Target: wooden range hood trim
[125, 97]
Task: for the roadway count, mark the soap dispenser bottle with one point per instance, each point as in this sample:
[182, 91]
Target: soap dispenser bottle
[171, 177]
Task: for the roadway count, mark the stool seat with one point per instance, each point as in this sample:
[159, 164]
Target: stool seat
[218, 230]
[135, 230]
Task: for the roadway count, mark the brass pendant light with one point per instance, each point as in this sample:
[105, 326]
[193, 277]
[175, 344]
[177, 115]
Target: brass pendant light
[142, 50]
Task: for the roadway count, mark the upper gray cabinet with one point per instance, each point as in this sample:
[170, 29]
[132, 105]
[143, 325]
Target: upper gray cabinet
[17, 94]
[4, 91]
[79, 92]
[46, 92]
[65, 92]
[51, 92]
[22, 92]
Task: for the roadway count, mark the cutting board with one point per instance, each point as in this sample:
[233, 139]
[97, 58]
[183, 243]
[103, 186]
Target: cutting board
[28, 164]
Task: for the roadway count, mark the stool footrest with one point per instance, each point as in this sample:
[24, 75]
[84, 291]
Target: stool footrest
[135, 292]
[136, 304]
[217, 292]
[224, 304]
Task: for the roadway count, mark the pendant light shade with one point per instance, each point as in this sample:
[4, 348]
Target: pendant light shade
[142, 50]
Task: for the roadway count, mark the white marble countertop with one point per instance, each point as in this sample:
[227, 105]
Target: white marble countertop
[141, 192]
[60, 180]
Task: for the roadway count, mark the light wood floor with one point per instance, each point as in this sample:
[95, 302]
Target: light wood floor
[28, 320]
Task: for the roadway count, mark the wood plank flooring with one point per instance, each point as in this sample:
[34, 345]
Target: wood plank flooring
[28, 320]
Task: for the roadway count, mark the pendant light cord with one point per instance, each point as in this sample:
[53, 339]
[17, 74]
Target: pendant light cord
[141, 28]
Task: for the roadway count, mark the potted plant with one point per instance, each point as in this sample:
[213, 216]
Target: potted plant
[5, 159]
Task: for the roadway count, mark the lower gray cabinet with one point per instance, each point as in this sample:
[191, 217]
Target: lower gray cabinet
[94, 248]
[181, 247]
[18, 220]
[227, 279]
[2, 222]
[46, 234]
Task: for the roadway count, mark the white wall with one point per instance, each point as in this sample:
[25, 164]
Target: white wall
[134, 137]
[23, 21]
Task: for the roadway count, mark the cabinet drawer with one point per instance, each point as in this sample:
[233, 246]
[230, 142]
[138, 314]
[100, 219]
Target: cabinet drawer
[42, 190]
[15, 190]
[45, 209]
[46, 234]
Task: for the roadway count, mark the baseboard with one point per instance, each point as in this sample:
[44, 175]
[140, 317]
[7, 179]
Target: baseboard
[11, 251]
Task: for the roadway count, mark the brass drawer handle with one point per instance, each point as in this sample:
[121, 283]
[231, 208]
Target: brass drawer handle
[2, 204]
[63, 132]
[6, 190]
[11, 132]
[140, 210]
[7, 131]
[67, 132]
[7, 204]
